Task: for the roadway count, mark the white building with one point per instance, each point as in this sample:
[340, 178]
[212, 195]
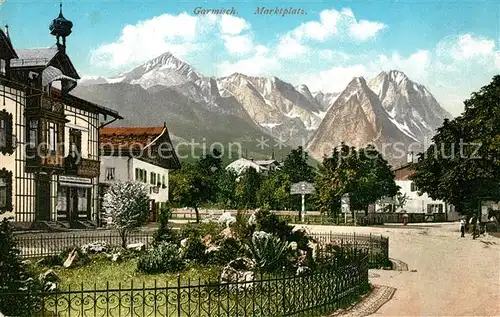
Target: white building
[143, 154]
[416, 203]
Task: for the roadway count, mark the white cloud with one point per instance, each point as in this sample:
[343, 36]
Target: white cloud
[150, 38]
[289, 47]
[334, 79]
[238, 44]
[364, 30]
[416, 65]
[257, 65]
[233, 25]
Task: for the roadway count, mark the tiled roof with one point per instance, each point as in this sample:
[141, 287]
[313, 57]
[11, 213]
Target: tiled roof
[34, 57]
[133, 137]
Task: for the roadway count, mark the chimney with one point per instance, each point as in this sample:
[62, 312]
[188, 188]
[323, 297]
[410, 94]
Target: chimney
[409, 157]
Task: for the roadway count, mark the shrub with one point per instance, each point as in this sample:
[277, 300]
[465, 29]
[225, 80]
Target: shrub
[269, 222]
[164, 233]
[15, 277]
[243, 228]
[227, 250]
[161, 259]
[193, 250]
[269, 251]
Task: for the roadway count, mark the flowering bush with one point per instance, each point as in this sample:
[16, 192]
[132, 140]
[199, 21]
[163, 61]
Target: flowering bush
[226, 219]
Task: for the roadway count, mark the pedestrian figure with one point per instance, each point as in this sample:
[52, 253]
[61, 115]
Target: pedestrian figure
[462, 228]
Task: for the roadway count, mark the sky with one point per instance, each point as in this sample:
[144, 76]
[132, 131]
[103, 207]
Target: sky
[451, 47]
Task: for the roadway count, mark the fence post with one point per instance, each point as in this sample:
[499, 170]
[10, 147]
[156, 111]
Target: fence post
[178, 295]
[283, 295]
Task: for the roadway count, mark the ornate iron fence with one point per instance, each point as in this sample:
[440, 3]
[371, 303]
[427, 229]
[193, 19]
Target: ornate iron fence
[39, 245]
[44, 244]
[287, 295]
[377, 247]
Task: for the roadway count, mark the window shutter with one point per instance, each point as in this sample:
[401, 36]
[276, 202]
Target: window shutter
[441, 208]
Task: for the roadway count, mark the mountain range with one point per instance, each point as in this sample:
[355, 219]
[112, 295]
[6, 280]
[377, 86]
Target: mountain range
[240, 109]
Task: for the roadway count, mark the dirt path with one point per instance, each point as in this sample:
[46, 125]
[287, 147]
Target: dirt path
[454, 276]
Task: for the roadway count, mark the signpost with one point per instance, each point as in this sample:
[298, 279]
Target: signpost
[302, 188]
[345, 205]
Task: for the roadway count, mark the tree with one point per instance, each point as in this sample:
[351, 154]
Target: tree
[226, 188]
[275, 191]
[15, 278]
[363, 174]
[297, 168]
[126, 207]
[247, 187]
[462, 166]
[191, 187]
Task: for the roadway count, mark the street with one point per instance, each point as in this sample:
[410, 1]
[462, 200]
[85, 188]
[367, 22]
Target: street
[454, 276]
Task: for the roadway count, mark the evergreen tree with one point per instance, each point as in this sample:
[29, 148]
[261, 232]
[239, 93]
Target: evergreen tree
[15, 278]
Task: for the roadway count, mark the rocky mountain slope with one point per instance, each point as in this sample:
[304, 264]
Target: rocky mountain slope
[387, 108]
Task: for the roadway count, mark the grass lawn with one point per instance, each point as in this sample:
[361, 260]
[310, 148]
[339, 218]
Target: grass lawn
[101, 270]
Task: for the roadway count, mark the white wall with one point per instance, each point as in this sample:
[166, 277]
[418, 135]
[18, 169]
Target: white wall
[416, 203]
[125, 170]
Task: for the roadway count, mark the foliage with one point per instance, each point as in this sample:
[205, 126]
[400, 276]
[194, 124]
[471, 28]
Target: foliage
[15, 277]
[297, 169]
[275, 191]
[242, 229]
[363, 174]
[126, 207]
[246, 189]
[164, 233]
[268, 251]
[191, 186]
[461, 167]
[226, 250]
[193, 250]
[163, 258]
[226, 188]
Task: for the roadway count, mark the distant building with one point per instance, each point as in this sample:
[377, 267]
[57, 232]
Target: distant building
[142, 154]
[261, 166]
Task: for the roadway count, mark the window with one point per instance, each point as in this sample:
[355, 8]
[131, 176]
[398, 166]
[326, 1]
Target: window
[52, 136]
[6, 133]
[2, 66]
[435, 208]
[62, 198]
[414, 187]
[82, 199]
[110, 173]
[32, 134]
[5, 190]
[163, 181]
[75, 142]
[137, 174]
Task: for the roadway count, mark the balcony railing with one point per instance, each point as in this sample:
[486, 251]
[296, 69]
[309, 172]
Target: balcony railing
[82, 167]
[36, 103]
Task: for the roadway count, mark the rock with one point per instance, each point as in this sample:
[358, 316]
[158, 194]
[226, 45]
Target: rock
[116, 257]
[184, 242]
[72, 259]
[302, 270]
[242, 263]
[95, 247]
[212, 249]
[231, 275]
[136, 246]
[26, 262]
[50, 287]
[49, 276]
[227, 233]
[207, 240]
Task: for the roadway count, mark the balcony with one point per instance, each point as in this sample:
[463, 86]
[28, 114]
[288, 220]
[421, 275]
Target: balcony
[82, 167]
[48, 161]
[37, 104]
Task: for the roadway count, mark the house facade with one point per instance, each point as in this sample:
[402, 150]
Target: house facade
[49, 139]
[142, 154]
[416, 203]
